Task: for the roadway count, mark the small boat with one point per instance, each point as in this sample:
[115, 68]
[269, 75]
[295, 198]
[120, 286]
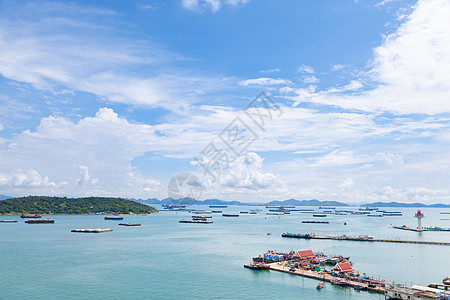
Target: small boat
[319, 286]
[243, 212]
[319, 216]
[8, 221]
[113, 218]
[216, 211]
[258, 266]
[446, 280]
[268, 233]
[230, 215]
[360, 288]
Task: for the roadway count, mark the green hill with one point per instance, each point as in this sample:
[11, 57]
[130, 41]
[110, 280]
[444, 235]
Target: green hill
[63, 205]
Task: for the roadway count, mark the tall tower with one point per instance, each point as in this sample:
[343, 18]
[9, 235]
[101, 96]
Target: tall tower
[419, 215]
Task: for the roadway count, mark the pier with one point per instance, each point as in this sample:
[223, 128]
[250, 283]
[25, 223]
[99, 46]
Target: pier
[359, 239]
[281, 267]
[404, 227]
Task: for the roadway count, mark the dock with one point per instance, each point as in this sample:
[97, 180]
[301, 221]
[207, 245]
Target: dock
[90, 230]
[359, 239]
[404, 227]
[281, 267]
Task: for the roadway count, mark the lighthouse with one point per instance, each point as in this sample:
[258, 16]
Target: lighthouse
[419, 215]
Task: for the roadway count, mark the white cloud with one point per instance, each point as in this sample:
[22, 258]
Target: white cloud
[270, 71]
[71, 48]
[212, 5]
[310, 79]
[409, 70]
[264, 81]
[26, 179]
[305, 69]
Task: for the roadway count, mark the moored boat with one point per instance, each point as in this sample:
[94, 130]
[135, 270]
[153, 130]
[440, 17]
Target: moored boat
[129, 224]
[113, 218]
[39, 221]
[257, 266]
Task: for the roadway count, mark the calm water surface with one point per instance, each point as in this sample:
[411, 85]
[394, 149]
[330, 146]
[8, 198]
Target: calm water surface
[164, 259]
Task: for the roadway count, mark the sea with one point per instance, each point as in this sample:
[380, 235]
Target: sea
[164, 259]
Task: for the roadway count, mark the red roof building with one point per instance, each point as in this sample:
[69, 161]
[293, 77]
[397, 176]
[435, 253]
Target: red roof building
[343, 268]
[305, 254]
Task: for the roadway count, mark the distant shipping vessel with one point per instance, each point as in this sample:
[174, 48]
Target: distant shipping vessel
[230, 215]
[218, 206]
[30, 216]
[113, 218]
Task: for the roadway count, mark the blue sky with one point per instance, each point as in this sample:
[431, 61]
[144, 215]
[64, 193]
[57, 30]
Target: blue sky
[115, 98]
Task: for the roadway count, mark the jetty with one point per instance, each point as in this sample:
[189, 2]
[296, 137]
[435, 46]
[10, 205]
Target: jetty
[92, 230]
[364, 238]
[404, 227]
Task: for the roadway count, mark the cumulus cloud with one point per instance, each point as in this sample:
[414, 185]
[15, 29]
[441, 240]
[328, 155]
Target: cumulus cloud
[26, 179]
[247, 173]
[409, 69]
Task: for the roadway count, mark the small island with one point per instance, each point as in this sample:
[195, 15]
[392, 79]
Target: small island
[72, 206]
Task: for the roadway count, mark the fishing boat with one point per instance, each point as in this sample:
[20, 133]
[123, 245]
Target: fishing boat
[338, 282]
[319, 286]
[257, 266]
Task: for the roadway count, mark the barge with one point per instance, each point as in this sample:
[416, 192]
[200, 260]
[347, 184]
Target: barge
[39, 221]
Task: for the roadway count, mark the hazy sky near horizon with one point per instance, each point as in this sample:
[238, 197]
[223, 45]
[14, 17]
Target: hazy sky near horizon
[113, 98]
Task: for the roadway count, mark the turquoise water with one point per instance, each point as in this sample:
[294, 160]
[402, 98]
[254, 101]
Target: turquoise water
[164, 259]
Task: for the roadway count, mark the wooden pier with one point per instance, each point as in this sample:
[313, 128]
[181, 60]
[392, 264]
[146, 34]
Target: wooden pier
[281, 267]
[359, 239]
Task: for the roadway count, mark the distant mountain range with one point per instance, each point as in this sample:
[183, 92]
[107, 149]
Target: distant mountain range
[290, 202]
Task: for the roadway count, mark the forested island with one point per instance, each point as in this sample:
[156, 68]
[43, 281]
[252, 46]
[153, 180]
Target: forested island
[72, 206]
